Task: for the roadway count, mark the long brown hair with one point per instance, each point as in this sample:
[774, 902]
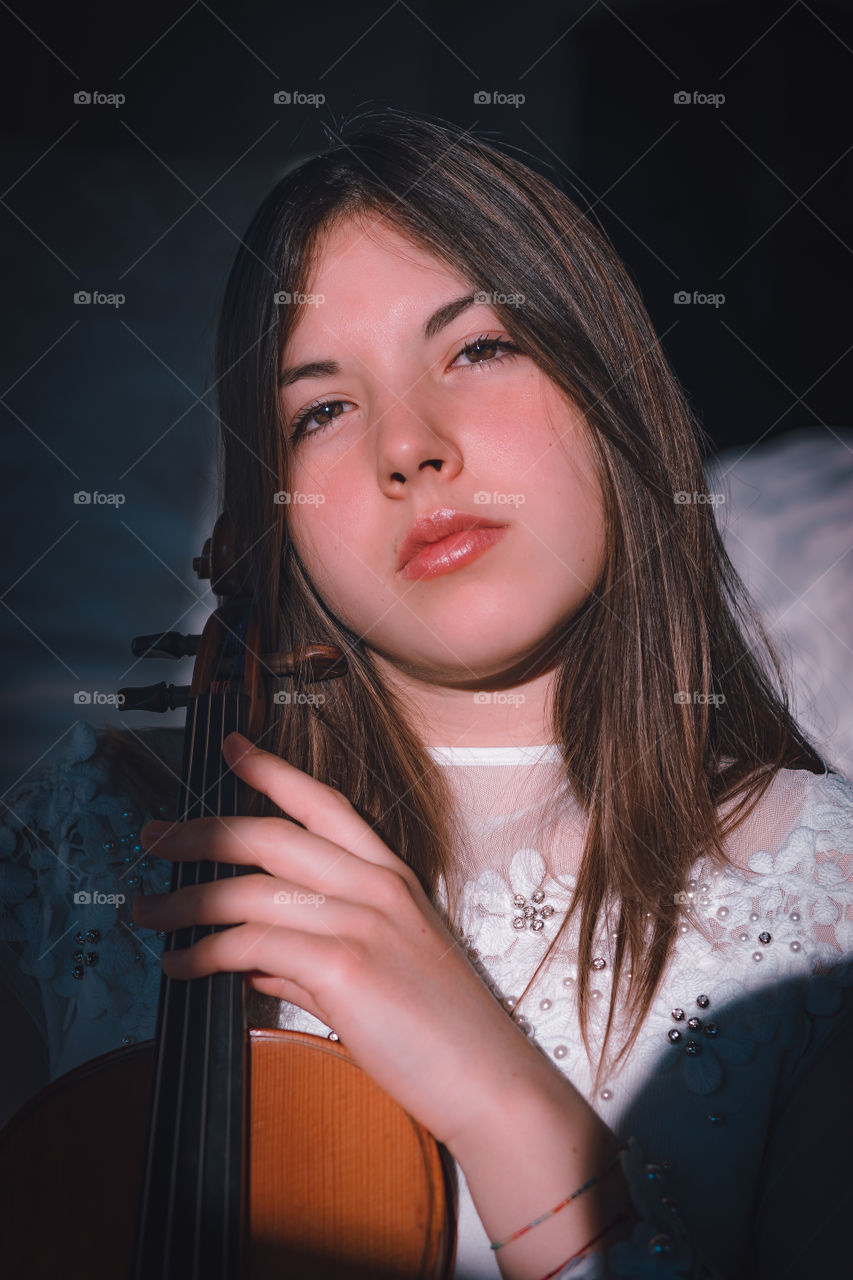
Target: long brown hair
[649, 752]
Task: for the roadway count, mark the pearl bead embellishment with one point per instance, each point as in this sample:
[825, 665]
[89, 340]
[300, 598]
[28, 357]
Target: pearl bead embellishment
[531, 914]
[692, 1047]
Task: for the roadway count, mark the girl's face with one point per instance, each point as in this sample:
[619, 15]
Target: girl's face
[410, 424]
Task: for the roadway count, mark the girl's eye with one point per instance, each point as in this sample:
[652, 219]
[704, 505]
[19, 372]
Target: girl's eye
[486, 344]
[332, 408]
[329, 409]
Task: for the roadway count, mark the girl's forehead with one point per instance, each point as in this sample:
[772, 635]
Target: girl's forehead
[377, 287]
[361, 237]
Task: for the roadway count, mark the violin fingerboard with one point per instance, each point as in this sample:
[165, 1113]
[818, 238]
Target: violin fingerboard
[194, 1189]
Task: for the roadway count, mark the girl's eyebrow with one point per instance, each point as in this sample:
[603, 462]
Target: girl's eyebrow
[439, 320]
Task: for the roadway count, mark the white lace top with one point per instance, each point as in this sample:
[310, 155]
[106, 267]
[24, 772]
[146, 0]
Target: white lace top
[734, 1101]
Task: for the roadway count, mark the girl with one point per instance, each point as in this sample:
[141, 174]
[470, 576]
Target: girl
[570, 884]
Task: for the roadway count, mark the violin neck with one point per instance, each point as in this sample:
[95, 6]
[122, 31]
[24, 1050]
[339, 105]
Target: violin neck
[194, 1188]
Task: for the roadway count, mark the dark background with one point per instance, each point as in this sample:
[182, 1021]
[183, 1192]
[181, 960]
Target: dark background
[749, 198]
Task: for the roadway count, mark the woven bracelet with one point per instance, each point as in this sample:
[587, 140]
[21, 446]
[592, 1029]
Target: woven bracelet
[535, 1223]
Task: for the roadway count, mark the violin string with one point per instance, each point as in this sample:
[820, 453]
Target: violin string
[208, 999]
[183, 877]
[223, 978]
[232, 980]
[156, 1119]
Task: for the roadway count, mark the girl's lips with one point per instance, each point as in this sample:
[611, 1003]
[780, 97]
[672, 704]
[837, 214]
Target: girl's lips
[452, 552]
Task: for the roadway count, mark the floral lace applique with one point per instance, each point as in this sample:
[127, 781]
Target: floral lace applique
[703, 1033]
[72, 863]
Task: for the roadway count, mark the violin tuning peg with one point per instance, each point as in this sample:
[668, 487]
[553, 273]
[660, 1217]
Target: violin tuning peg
[167, 644]
[155, 697]
[222, 560]
[202, 564]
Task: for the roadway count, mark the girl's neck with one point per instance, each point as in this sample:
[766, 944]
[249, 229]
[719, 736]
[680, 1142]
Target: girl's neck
[540, 753]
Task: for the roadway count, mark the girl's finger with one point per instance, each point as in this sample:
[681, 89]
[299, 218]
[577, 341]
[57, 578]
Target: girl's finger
[308, 960]
[282, 989]
[259, 899]
[321, 809]
[285, 851]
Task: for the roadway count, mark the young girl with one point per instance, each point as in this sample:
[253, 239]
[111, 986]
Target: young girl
[571, 884]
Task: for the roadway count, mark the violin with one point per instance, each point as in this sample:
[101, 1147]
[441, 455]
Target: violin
[220, 1151]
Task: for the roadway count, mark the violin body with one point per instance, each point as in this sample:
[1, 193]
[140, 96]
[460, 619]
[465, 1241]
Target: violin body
[342, 1183]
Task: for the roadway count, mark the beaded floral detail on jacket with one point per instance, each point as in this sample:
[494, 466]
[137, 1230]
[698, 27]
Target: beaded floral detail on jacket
[71, 865]
[781, 953]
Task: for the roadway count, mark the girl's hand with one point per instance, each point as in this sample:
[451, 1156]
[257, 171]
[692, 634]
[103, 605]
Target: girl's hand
[342, 928]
